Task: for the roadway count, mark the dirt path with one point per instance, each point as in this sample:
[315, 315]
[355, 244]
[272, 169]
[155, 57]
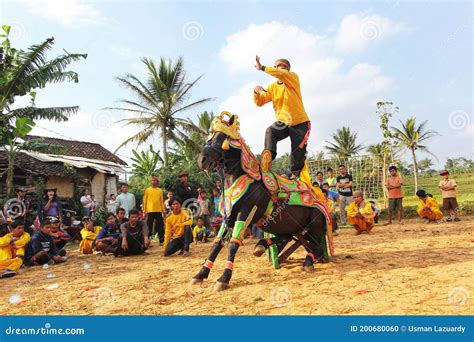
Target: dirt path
[398, 270]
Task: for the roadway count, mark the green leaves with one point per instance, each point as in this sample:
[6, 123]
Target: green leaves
[23, 126]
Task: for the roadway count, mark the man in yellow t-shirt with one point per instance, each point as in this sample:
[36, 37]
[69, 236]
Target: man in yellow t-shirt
[154, 209]
[292, 120]
[178, 234]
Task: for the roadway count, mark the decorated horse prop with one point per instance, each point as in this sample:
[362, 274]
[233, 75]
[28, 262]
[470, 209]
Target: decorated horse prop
[254, 195]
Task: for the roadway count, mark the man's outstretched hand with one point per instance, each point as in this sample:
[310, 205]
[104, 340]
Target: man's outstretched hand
[258, 66]
[258, 89]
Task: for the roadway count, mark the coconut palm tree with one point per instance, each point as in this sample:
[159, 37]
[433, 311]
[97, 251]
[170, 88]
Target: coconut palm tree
[345, 144]
[412, 137]
[159, 99]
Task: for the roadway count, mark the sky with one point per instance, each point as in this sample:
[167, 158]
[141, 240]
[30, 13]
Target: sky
[349, 55]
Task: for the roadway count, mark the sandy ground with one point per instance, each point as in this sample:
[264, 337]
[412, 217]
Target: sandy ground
[410, 269]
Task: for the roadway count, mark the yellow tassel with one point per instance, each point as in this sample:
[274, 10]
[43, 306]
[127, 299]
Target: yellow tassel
[225, 145]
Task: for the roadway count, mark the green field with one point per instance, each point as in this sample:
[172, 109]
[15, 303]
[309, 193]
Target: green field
[465, 192]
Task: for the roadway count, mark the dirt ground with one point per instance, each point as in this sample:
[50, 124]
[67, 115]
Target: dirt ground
[398, 270]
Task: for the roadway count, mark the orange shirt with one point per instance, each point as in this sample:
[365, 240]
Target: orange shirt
[395, 181]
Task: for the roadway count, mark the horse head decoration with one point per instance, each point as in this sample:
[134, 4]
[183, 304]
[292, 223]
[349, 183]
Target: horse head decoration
[251, 197]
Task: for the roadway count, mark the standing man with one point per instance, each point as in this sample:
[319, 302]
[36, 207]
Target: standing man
[86, 202]
[292, 120]
[395, 195]
[344, 188]
[184, 191]
[126, 200]
[154, 210]
[448, 190]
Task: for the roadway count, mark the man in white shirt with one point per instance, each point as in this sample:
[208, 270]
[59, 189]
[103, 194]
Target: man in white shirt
[86, 202]
[126, 200]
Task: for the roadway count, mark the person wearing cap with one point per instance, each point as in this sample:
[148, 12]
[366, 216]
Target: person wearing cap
[448, 191]
[88, 234]
[428, 208]
[290, 114]
[50, 205]
[42, 249]
[360, 214]
[184, 191]
[12, 249]
[126, 200]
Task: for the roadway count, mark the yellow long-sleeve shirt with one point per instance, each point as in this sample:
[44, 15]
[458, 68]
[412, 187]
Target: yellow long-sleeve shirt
[180, 221]
[12, 250]
[153, 200]
[365, 209]
[88, 238]
[286, 97]
[434, 214]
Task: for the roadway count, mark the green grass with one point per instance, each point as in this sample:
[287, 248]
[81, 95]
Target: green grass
[465, 193]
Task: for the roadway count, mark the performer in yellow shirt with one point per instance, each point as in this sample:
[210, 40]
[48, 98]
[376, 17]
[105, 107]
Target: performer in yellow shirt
[154, 209]
[88, 234]
[428, 209]
[360, 214]
[292, 120]
[12, 249]
[178, 234]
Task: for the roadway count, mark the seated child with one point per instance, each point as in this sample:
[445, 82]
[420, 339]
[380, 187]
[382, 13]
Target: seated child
[42, 249]
[134, 236]
[376, 211]
[107, 240]
[88, 234]
[60, 237]
[199, 232]
[360, 214]
[428, 209]
[178, 233]
[12, 249]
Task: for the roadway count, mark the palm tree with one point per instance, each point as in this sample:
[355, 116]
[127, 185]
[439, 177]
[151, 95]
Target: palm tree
[21, 73]
[159, 101]
[345, 144]
[411, 137]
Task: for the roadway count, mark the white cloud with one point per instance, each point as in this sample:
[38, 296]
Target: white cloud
[335, 94]
[357, 31]
[73, 13]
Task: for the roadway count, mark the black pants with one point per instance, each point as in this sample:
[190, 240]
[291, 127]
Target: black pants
[298, 134]
[136, 246]
[180, 244]
[159, 228]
